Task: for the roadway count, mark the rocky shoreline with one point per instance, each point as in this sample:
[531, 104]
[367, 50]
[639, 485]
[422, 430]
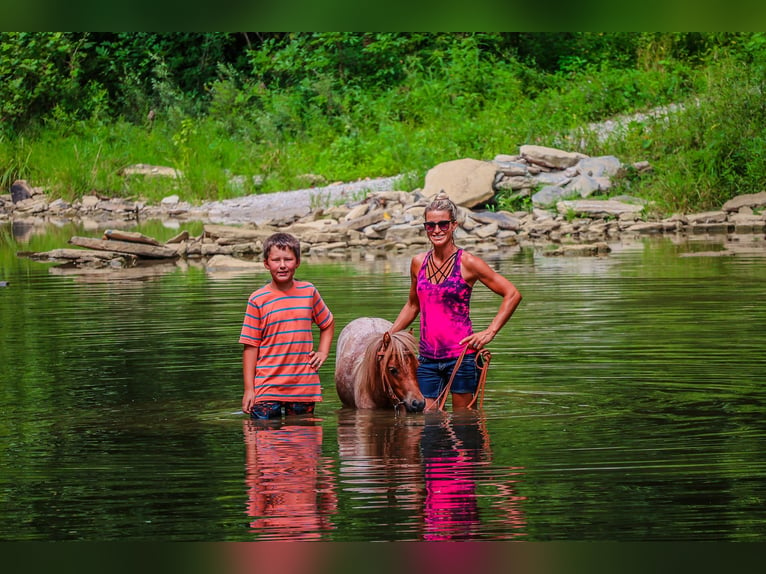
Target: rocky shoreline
[570, 213]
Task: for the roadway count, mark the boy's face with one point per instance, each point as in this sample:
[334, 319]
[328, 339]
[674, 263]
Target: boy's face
[281, 263]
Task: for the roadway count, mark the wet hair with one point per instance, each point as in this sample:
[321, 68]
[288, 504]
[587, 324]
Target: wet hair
[442, 202]
[283, 241]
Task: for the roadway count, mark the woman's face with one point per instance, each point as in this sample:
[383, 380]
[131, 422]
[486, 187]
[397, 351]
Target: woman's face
[439, 227]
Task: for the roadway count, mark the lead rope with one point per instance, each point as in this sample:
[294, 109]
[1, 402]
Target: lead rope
[485, 357]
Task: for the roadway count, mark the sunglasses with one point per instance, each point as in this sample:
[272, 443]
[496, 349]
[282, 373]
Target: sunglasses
[443, 225]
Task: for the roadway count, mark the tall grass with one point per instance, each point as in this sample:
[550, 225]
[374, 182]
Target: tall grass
[254, 140]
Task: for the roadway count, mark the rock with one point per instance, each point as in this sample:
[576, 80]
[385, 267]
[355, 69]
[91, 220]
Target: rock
[746, 200]
[584, 249]
[20, 191]
[747, 223]
[514, 182]
[584, 185]
[359, 223]
[405, 233]
[598, 208]
[169, 200]
[605, 165]
[150, 170]
[646, 227]
[467, 182]
[552, 178]
[32, 205]
[551, 194]
[503, 219]
[89, 201]
[183, 236]
[229, 262]
[706, 217]
[512, 168]
[550, 157]
[710, 227]
[356, 212]
[486, 231]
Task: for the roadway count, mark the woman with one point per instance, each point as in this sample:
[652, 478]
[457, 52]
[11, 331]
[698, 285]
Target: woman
[442, 280]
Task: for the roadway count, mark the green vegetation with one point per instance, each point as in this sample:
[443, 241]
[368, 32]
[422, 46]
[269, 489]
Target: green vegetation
[253, 112]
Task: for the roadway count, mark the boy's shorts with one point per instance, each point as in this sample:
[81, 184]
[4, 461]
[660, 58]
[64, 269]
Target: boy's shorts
[273, 409]
[434, 374]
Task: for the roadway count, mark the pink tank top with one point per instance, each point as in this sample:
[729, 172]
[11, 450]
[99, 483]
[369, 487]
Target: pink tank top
[444, 312]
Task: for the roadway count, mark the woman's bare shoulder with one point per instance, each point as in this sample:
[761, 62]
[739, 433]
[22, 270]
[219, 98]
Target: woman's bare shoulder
[417, 262]
[420, 257]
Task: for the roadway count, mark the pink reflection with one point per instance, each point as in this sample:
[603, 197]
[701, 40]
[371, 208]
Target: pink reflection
[456, 455]
[290, 484]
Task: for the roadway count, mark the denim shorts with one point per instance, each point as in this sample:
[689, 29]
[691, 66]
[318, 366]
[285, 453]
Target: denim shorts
[434, 374]
[273, 409]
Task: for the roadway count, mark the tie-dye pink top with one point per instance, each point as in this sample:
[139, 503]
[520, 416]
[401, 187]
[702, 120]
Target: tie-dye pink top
[444, 312]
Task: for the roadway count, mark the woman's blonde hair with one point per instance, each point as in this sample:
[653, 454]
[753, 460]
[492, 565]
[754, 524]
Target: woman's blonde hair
[442, 202]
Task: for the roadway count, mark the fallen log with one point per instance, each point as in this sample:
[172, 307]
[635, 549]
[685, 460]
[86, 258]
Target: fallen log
[82, 257]
[137, 249]
[130, 236]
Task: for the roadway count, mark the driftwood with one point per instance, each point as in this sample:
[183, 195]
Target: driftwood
[131, 236]
[90, 273]
[80, 256]
[137, 249]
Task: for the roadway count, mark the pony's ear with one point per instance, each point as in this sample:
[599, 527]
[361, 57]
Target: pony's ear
[386, 343]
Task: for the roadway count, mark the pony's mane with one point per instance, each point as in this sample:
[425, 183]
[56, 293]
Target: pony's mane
[402, 342]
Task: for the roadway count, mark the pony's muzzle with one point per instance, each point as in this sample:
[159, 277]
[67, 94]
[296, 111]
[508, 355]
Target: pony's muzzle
[415, 405]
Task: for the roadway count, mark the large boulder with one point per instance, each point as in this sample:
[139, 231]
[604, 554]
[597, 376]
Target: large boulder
[468, 182]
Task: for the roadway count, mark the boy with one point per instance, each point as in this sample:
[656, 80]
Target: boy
[278, 362]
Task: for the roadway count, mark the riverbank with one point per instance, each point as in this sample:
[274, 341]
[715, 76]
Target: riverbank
[571, 213]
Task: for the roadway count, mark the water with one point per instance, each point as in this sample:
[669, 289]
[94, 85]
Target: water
[624, 402]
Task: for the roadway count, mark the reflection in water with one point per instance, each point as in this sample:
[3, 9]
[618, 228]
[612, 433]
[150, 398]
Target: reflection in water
[379, 465]
[290, 492]
[449, 450]
[635, 410]
[432, 474]
[454, 451]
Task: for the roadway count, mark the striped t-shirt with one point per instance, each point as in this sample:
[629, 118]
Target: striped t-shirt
[279, 324]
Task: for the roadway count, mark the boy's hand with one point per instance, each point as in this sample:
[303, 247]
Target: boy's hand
[317, 359]
[248, 400]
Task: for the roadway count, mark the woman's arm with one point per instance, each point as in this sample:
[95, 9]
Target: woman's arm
[475, 268]
[411, 308]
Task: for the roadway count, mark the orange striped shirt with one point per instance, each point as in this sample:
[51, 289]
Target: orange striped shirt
[279, 324]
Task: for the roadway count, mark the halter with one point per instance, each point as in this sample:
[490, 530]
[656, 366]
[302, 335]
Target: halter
[384, 356]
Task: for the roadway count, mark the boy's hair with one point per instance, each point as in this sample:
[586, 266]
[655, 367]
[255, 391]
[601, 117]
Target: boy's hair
[283, 241]
[442, 202]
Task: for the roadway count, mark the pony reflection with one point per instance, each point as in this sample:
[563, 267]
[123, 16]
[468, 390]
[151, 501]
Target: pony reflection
[380, 470]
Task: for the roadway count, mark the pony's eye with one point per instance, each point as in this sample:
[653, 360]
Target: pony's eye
[393, 370]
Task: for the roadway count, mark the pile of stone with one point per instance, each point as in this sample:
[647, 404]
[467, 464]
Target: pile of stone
[569, 214]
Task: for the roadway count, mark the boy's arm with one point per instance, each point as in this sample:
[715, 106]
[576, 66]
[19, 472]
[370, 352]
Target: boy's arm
[318, 357]
[249, 361]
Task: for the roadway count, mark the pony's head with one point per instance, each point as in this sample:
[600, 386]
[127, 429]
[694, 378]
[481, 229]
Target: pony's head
[397, 367]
